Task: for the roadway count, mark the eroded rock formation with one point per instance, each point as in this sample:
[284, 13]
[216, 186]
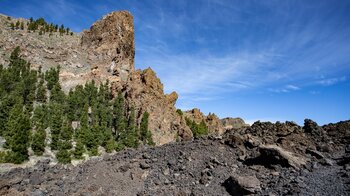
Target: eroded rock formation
[215, 125]
[104, 52]
[109, 45]
[144, 92]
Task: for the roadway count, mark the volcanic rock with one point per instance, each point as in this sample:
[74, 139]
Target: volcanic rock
[273, 155]
[242, 185]
[212, 121]
[104, 52]
[233, 123]
[144, 92]
[110, 44]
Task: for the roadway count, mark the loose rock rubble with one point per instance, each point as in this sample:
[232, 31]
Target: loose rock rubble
[238, 163]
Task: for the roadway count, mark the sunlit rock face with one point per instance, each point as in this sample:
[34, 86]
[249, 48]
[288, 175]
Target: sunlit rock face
[110, 44]
[104, 52]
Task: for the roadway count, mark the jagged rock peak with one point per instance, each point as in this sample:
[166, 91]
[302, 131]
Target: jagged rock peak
[110, 44]
[144, 92]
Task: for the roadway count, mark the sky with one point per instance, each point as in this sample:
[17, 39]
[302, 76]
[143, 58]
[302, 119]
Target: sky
[259, 60]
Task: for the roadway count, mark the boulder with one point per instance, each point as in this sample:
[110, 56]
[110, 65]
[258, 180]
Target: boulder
[275, 155]
[242, 185]
[311, 127]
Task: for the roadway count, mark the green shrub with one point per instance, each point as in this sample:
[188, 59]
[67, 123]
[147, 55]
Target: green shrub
[63, 156]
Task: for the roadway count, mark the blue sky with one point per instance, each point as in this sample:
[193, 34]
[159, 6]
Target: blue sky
[268, 60]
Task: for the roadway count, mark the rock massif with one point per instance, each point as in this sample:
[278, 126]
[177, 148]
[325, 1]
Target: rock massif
[104, 52]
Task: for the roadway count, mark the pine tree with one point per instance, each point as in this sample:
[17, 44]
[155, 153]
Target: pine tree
[38, 141]
[131, 139]
[62, 30]
[29, 87]
[17, 24]
[15, 55]
[110, 145]
[79, 150]
[197, 129]
[41, 92]
[57, 95]
[6, 104]
[145, 134]
[119, 118]
[63, 154]
[66, 136]
[40, 123]
[52, 77]
[56, 120]
[17, 134]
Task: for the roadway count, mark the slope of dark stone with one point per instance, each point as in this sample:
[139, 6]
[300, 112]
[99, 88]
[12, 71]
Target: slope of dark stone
[205, 166]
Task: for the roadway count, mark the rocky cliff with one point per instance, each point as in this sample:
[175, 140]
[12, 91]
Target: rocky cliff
[144, 91]
[104, 52]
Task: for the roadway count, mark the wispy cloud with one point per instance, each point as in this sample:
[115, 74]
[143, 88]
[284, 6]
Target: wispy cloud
[205, 74]
[289, 50]
[285, 89]
[331, 81]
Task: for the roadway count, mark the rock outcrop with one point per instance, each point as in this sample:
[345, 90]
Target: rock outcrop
[233, 123]
[215, 125]
[212, 121]
[144, 92]
[109, 45]
[104, 52]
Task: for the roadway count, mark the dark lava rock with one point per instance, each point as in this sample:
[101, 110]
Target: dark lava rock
[36, 179]
[38, 193]
[315, 153]
[274, 155]
[144, 165]
[242, 185]
[266, 158]
[311, 127]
